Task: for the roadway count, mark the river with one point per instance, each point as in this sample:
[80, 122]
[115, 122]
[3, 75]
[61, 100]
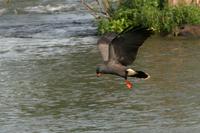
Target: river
[48, 84]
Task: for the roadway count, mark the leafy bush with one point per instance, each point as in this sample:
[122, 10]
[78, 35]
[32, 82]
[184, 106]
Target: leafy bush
[148, 13]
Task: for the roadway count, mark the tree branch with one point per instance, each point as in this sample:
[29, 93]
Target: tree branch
[94, 12]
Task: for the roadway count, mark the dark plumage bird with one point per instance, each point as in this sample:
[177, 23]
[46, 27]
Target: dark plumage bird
[120, 50]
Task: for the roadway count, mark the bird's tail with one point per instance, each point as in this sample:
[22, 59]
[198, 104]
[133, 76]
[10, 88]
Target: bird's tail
[141, 74]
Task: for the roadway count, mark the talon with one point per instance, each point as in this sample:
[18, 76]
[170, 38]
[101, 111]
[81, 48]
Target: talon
[128, 84]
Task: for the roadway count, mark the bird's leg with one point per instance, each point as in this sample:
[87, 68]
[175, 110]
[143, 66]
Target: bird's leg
[129, 85]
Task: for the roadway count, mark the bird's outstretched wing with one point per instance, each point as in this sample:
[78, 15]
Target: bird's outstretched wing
[103, 45]
[124, 47]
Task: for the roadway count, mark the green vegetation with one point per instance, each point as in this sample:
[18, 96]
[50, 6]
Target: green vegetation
[149, 13]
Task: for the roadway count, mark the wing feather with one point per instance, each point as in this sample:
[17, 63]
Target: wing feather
[103, 45]
[126, 45]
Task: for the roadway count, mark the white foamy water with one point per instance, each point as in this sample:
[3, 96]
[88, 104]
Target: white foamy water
[42, 6]
[3, 11]
[50, 8]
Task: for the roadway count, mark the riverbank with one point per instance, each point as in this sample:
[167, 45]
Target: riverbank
[163, 20]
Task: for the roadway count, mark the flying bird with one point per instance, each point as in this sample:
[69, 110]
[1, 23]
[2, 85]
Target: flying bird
[120, 50]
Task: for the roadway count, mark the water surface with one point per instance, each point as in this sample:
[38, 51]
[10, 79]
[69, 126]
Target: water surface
[48, 82]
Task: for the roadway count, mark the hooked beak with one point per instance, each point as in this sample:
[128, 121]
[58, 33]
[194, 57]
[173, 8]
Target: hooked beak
[98, 74]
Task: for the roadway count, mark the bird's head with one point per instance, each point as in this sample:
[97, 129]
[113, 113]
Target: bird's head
[102, 69]
[99, 70]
